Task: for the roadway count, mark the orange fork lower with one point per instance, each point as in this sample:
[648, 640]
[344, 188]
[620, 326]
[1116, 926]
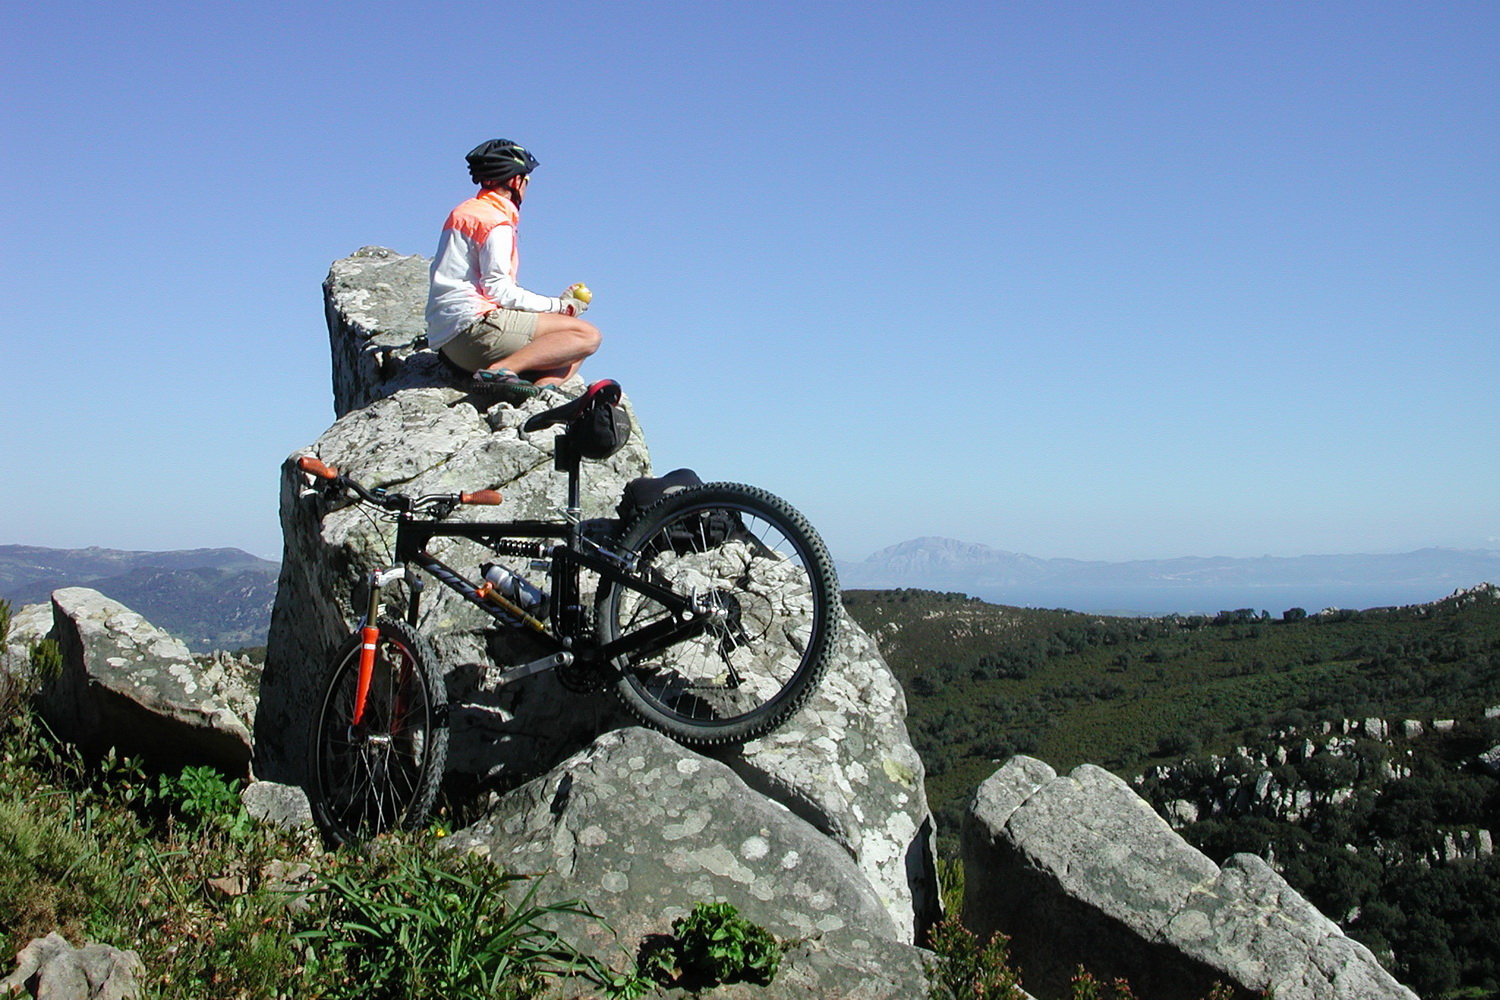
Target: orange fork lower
[369, 635]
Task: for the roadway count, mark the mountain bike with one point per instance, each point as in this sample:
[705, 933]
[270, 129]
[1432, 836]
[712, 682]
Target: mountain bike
[712, 616]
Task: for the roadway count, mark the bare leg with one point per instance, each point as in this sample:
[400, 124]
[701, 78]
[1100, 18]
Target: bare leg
[558, 349]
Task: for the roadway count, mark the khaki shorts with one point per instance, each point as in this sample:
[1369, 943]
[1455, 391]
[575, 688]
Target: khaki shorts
[492, 337]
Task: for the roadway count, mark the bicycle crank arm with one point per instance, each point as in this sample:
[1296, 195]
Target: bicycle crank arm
[549, 662]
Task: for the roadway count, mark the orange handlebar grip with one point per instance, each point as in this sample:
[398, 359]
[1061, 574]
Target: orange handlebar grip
[485, 498]
[308, 463]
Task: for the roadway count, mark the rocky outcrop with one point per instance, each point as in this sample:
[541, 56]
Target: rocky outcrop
[126, 683]
[844, 763]
[644, 829]
[426, 440]
[27, 625]
[375, 301]
[1079, 869]
[50, 968]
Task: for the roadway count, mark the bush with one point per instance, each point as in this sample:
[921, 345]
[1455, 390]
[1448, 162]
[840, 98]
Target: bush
[713, 945]
[970, 972]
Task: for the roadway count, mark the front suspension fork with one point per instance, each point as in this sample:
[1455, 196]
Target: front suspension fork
[369, 638]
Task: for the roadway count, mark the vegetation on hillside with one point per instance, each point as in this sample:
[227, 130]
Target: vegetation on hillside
[985, 682]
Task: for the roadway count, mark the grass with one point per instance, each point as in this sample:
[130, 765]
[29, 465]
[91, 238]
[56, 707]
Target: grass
[168, 865]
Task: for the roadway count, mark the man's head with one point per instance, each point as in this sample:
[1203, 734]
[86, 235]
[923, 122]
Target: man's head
[500, 163]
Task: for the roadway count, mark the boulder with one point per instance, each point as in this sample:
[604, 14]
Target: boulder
[1490, 760]
[427, 440]
[27, 625]
[283, 806]
[126, 683]
[844, 763]
[644, 829]
[50, 968]
[375, 302]
[1079, 869]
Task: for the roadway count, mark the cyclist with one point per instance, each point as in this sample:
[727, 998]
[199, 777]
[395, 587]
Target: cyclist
[477, 316]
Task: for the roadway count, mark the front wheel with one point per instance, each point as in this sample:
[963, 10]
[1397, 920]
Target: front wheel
[382, 772]
[762, 621]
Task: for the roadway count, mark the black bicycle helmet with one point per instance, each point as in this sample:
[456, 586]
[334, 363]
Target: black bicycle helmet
[494, 162]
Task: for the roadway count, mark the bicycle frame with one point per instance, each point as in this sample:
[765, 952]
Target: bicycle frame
[568, 556]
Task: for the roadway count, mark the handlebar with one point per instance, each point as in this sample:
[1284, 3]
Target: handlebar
[394, 501]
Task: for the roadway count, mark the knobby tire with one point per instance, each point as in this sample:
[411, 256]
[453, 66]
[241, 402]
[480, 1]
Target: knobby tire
[767, 577]
[385, 773]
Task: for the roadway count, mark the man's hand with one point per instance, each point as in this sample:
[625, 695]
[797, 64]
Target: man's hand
[576, 299]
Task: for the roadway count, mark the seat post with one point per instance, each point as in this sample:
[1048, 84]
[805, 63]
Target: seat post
[565, 459]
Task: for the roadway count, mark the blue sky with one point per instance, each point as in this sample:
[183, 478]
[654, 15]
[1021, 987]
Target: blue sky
[1092, 280]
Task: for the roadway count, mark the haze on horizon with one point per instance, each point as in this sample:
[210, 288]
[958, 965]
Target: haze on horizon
[1100, 282]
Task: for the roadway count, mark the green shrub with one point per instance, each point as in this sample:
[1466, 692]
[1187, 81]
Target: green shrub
[206, 800]
[950, 872]
[46, 660]
[970, 972]
[413, 924]
[713, 945]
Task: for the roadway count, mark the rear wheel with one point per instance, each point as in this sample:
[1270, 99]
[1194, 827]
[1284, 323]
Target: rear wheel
[384, 772]
[763, 617]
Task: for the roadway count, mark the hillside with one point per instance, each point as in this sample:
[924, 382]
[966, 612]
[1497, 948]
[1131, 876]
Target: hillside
[986, 681]
[1238, 728]
[210, 598]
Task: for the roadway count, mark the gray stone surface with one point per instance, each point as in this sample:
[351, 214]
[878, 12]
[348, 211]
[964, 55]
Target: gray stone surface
[644, 829]
[128, 684]
[27, 625]
[50, 968]
[1078, 869]
[280, 805]
[846, 764]
[1490, 760]
[375, 301]
[1259, 931]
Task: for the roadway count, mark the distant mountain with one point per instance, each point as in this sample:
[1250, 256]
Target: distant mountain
[1160, 585]
[210, 598]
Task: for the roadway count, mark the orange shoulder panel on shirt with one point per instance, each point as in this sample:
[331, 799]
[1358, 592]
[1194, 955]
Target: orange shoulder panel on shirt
[479, 215]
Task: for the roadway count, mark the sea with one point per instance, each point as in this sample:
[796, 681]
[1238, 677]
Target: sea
[1210, 600]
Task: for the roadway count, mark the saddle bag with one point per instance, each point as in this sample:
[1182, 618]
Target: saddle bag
[706, 529]
[600, 430]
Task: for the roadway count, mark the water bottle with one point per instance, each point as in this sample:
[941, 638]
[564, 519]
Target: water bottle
[516, 588]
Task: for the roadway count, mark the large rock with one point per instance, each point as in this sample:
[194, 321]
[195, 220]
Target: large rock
[426, 440]
[28, 625]
[126, 683]
[844, 763]
[644, 829]
[375, 302]
[1079, 869]
[50, 968]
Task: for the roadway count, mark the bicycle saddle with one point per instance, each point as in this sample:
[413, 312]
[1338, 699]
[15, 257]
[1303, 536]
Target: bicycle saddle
[606, 391]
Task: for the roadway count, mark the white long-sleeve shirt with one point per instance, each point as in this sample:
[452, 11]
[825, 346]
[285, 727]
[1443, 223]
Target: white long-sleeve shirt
[474, 270]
